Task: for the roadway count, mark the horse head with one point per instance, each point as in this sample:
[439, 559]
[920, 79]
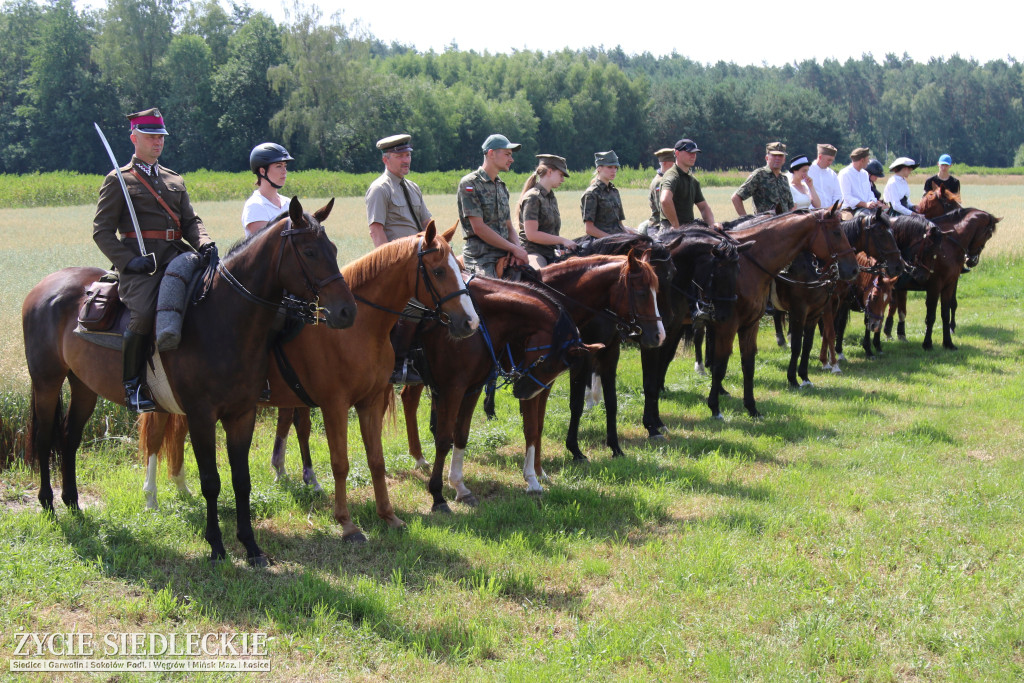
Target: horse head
[830, 244]
[634, 298]
[983, 225]
[881, 242]
[876, 299]
[310, 271]
[439, 283]
[708, 267]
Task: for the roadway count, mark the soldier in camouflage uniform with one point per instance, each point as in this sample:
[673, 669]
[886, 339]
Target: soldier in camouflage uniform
[766, 185]
[601, 204]
[666, 157]
[539, 220]
[484, 211]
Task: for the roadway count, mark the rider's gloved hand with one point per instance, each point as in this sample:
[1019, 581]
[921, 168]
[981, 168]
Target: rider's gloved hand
[139, 265]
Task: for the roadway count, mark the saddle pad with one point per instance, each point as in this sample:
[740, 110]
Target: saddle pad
[160, 387]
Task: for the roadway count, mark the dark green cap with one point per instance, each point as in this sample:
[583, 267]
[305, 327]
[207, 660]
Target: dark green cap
[609, 158]
[500, 142]
[554, 161]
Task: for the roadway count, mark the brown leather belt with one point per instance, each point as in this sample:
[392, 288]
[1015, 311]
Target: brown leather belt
[168, 235]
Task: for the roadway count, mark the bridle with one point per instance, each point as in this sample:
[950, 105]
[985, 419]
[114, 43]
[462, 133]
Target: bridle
[307, 311]
[970, 257]
[436, 299]
[633, 326]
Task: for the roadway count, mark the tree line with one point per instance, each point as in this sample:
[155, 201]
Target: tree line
[228, 79]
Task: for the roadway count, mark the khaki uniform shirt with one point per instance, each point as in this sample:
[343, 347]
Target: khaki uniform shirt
[539, 204]
[602, 204]
[113, 221]
[480, 196]
[654, 197]
[386, 204]
[686, 193]
[767, 189]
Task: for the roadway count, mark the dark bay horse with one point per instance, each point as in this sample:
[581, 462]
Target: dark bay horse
[964, 233]
[778, 241]
[706, 267]
[215, 374]
[526, 339]
[341, 369]
[609, 298]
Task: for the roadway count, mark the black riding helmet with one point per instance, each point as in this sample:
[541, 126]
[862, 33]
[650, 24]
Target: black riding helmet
[265, 154]
[874, 168]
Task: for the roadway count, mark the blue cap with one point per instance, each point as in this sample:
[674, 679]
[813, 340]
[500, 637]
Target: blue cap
[946, 159]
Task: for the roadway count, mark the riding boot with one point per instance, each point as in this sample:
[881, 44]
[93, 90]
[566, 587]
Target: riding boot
[401, 339]
[133, 354]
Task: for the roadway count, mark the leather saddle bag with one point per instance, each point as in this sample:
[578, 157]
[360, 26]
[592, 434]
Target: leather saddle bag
[101, 307]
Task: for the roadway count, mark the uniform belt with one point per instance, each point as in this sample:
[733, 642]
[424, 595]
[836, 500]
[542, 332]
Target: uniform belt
[169, 235]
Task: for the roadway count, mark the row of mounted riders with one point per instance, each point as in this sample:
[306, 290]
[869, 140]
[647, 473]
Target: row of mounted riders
[573, 315]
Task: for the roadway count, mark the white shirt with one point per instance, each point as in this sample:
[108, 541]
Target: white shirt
[895, 191]
[800, 200]
[826, 184]
[259, 208]
[855, 186]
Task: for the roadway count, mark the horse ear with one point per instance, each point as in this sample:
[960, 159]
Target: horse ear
[449, 234]
[745, 246]
[295, 213]
[631, 258]
[429, 234]
[580, 349]
[323, 212]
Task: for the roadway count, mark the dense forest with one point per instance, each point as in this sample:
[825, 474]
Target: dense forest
[227, 79]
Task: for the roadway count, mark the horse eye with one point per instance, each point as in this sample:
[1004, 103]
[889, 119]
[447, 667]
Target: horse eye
[309, 252]
[439, 273]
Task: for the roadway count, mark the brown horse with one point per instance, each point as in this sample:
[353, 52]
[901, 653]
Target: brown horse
[964, 235]
[870, 293]
[778, 239]
[338, 370]
[937, 202]
[526, 339]
[215, 374]
[596, 291]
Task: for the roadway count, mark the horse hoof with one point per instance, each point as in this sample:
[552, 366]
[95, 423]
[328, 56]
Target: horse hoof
[806, 384]
[216, 558]
[261, 561]
[469, 500]
[699, 369]
[950, 347]
[718, 416]
[580, 459]
[441, 508]
[657, 437]
[356, 538]
[618, 454]
[422, 465]
[836, 370]
[535, 493]
[825, 367]
[902, 338]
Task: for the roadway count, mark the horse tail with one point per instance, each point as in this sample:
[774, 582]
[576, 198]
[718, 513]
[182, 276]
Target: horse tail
[688, 336]
[57, 433]
[390, 411]
[172, 448]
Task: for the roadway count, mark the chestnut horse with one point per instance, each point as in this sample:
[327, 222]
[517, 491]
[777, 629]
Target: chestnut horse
[216, 373]
[778, 241]
[526, 339]
[937, 202]
[964, 235]
[338, 370]
[870, 293]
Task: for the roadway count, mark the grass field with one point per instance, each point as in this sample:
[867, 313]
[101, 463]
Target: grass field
[867, 529]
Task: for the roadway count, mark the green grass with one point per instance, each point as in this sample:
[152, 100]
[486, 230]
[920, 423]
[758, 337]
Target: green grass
[866, 529]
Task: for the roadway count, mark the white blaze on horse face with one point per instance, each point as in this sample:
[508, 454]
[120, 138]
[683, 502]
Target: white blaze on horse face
[467, 305]
[455, 474]
[529, 474]
[661, 328]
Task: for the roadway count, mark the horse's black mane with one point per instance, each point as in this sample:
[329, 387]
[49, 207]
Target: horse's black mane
[910, 227]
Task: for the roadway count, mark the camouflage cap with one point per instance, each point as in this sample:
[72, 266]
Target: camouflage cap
[149, 121]
[827, 149]
[609, 158]
[395, 143]
[554, 161]
[497, 141]
[775, 148]
[860, 153]
[665, 154]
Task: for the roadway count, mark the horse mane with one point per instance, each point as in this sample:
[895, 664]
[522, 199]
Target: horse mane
[371, 265]
[853, 228]
[241, 245]
[912, 226]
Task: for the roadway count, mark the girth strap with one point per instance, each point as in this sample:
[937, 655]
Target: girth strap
[291, 377]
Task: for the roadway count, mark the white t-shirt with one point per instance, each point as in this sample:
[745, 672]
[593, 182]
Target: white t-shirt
[259, 208]
[800, 200]
[826, 184]
[896, 190]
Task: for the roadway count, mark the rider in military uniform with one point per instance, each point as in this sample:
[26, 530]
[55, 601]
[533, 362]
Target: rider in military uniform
[601, 204]
[767, 185]
[167, 221]
[485, 214]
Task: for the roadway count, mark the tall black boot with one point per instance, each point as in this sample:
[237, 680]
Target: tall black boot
[133, 353]
[401, 339]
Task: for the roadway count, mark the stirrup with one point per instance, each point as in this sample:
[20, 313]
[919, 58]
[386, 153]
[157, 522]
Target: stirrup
[136, 399]
[265, 394]
[405, 373]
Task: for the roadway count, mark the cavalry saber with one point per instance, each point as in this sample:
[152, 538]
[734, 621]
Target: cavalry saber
[127, 197]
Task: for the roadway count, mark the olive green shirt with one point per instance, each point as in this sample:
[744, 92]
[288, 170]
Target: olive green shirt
[686, 193]
[539, 204]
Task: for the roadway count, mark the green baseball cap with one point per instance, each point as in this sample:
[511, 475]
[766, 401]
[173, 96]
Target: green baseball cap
[497, 141]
